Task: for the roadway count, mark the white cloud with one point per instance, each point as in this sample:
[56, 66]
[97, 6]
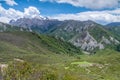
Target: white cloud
[8, 14]
[92, 4]
[4, 19]
[102, 17]
[11, 2]
[31, 12]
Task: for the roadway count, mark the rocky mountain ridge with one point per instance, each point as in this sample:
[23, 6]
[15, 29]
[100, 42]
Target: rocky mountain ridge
[87, 35]
[35, 24]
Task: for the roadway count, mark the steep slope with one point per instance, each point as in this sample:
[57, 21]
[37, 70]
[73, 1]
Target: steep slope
[114, 28]
[87, 35]
[14, 44]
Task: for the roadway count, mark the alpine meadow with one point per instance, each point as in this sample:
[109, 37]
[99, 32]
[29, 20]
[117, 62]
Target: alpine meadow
[59, 39]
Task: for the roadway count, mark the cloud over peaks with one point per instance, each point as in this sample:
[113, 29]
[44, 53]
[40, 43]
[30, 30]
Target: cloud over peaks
[8, 14]
[31, 12]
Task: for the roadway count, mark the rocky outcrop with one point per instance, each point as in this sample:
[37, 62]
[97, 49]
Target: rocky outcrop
[88, 42]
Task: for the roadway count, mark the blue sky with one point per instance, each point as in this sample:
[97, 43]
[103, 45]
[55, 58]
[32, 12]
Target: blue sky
[46, 8]
[101, 11]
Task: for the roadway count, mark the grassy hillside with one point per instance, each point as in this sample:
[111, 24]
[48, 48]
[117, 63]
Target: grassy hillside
[23, 44]
[30, 56]
[115, 30]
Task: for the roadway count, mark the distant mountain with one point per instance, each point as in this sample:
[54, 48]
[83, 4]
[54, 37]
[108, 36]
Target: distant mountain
[7, 27]
[87, 35]
[35, 24]
[114, 28]
[114, 24]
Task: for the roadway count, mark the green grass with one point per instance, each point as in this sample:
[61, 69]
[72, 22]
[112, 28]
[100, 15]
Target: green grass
[46, 58]
[72, 70]
[84, 63]
[34, 47]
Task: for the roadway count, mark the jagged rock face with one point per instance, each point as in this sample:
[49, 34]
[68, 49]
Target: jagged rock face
[26, 22]
[79, 34]
[34, 24]
[114, 40]
[105, 40]
[86, 43]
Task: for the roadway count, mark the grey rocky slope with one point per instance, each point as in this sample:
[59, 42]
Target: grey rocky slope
[87, 35]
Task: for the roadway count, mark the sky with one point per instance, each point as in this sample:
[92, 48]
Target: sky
[100, 11]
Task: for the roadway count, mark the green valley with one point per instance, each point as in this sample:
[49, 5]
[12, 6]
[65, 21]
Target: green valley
[70, 50]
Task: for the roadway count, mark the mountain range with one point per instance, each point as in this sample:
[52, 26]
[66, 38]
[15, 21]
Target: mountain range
[40, 25]
[87, 35]
[115, 24]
